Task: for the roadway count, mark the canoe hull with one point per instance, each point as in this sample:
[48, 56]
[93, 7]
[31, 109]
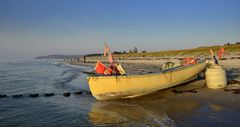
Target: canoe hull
[117, 87]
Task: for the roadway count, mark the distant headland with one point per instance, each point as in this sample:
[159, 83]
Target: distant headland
[199, 51]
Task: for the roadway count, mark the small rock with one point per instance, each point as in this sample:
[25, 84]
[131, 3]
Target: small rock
[33, 95]
[67, 94]
[16, 96]
[78, 93]
[48, 94]
[2, 96]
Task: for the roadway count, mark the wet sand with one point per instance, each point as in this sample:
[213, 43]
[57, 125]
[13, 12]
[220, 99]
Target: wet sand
[164, 108]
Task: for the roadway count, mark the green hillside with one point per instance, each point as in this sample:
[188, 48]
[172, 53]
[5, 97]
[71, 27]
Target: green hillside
[200, 51]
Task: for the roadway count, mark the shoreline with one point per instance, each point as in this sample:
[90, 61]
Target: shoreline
[152, 66]
[231, 66]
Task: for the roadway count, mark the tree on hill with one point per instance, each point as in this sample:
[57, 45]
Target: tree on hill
[135, 50]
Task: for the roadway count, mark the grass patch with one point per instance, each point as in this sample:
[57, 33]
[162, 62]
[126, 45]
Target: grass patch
[186, 52]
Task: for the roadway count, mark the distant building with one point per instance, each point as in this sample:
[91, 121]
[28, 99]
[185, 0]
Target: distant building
[227, 44]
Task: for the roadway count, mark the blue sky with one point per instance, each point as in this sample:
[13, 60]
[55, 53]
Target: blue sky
[29, 28]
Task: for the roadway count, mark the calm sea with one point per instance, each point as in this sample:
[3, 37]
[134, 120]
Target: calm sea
[40, 76]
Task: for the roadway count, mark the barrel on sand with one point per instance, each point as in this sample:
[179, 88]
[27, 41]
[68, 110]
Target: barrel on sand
[216, 77]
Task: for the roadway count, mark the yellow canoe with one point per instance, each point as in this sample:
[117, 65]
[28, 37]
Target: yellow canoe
[118, 87]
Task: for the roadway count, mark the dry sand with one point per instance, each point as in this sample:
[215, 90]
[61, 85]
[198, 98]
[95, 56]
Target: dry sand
[153, 66]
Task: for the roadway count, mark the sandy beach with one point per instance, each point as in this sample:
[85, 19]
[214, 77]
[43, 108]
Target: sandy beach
[153, 65]
[203, 107]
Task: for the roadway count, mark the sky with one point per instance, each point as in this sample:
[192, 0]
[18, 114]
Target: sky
[30, 28]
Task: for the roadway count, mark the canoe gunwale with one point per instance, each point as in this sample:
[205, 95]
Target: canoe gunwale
[179, 68]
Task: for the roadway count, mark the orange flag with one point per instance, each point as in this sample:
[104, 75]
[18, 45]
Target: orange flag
[102, 69]
[111, 59]
[220, 52]
[211, 52]
[106, 50]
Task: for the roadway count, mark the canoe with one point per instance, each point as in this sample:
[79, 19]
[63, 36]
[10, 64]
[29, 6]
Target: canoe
[130, 86]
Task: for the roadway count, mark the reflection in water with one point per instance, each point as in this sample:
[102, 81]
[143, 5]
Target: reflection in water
[115, 113]
[154, 110]
[215, 108]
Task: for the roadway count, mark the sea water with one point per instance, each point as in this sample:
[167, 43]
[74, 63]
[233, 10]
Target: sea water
[24, 77]
[34, 76]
